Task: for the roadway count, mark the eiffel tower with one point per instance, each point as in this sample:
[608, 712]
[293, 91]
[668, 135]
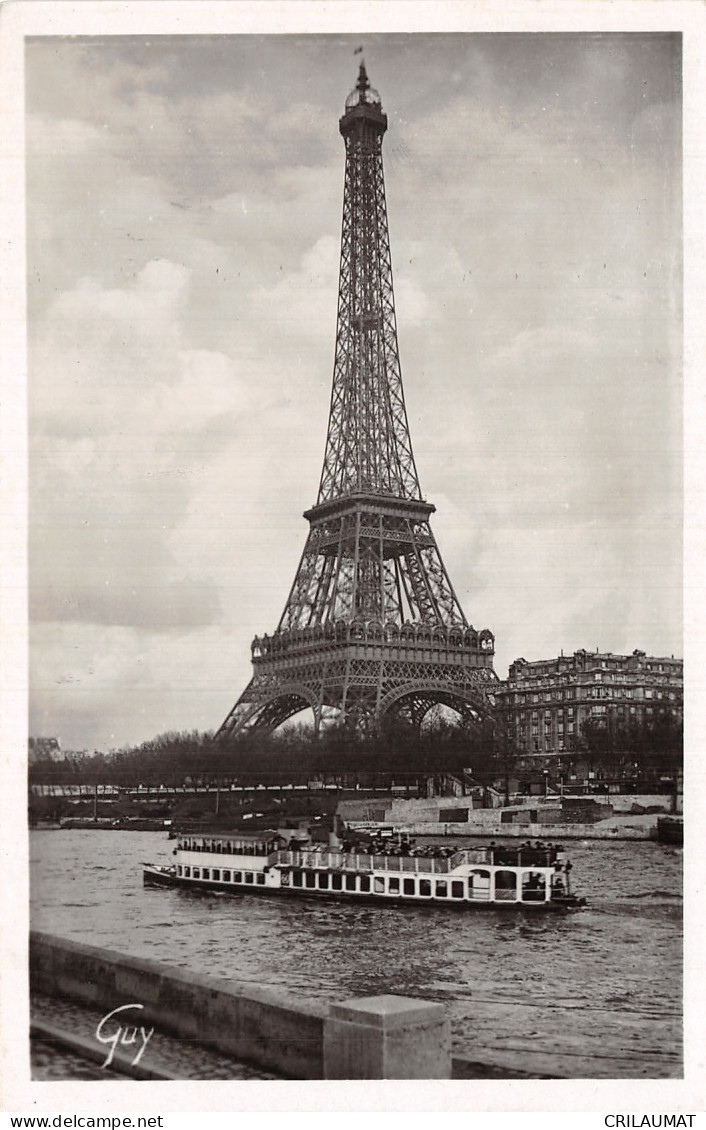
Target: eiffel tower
[372, 624]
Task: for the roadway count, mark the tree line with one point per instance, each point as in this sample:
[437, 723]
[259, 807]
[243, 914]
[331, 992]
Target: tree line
[485, 747]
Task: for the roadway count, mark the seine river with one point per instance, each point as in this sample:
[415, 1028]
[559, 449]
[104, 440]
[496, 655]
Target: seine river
[596, 993]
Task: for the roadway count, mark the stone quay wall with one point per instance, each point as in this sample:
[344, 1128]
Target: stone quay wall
[425, 817]
[251, 1024]
[645, 829]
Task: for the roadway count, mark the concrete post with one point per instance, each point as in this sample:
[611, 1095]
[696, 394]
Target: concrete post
[387, 1037]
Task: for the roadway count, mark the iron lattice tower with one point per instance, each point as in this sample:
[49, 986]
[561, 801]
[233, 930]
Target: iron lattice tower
[372, 623]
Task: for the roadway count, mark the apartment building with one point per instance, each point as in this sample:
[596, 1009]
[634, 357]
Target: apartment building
[549, 700]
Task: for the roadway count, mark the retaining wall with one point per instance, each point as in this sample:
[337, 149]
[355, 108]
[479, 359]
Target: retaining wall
[248, 1023]
[640, 828]
[426, 817]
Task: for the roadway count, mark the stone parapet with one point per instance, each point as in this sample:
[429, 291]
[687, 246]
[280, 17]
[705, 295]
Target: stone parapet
[251, 1024]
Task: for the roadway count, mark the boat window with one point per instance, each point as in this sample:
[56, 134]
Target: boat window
[226, 876]
[442, 889]
[206, 873]
[364, 884]
[379, 885]
[480, 884]
[297, 879]
[425, 887]
[197, 873]
[187, 872]
[350, 882]
[534, 886]
[393, 885]
[505, 886]
[216, 874]
[249, 877]
[457, 889]
[284, 881]
[261, 878]
[237, 876]
[323, 881]
[310, 878]
[410, 886]
[337, 882]
[179, 869]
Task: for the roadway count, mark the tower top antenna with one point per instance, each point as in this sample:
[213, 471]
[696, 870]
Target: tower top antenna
[363, 94]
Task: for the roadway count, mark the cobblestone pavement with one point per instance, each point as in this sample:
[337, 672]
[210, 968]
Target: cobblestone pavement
[179, 1058]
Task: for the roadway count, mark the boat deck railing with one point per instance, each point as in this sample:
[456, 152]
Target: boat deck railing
[416, 864]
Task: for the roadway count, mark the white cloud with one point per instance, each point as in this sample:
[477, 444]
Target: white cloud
[121, 419]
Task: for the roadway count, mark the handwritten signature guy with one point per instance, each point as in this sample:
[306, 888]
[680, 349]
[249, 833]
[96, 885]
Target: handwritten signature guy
[116, 1033]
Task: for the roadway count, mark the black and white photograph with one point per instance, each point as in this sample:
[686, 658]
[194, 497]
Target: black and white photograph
[355, 503]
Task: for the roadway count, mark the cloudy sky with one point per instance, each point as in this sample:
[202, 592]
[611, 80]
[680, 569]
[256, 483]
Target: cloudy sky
[184, 208]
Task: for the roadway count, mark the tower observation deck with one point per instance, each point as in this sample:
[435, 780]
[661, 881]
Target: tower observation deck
[372, 624]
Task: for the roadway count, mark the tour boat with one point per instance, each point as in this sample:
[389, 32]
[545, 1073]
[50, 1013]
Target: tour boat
[536, 877]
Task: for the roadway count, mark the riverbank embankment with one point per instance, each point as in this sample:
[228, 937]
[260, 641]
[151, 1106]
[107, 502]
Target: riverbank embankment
[620, 818]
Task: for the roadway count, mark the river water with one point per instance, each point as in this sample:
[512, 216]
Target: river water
[592, 994]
